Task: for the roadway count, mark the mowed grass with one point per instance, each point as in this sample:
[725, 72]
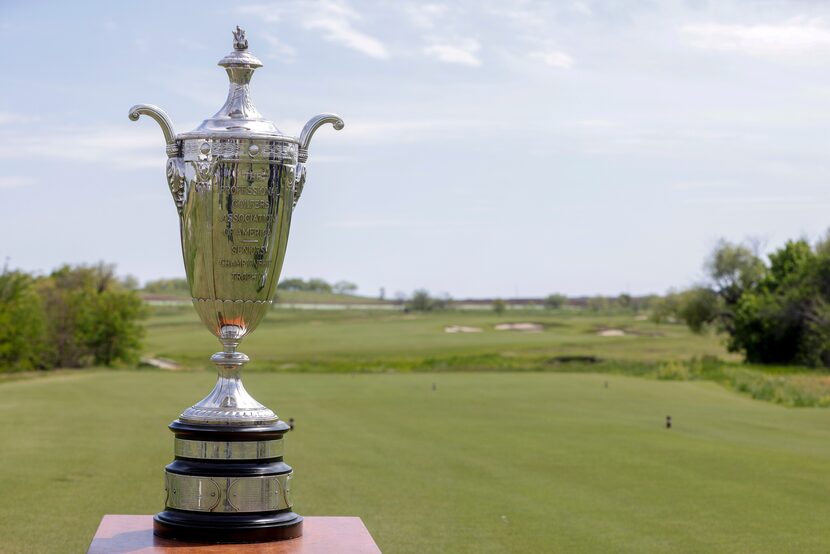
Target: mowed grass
[486, 462]
[468, 442]
[360, 340]
[377, 341]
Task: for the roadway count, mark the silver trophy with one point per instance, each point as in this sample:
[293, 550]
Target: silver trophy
[235, 180]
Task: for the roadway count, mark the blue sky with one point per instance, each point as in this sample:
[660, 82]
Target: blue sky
[490, 149]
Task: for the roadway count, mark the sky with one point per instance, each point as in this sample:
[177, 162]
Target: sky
[511, 148]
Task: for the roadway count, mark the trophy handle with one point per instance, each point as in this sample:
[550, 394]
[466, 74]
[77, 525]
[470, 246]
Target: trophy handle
[313, 124]
[164, 122]
[175, 164]
[305, 138]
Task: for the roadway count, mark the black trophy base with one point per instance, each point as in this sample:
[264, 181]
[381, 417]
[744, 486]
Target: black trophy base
[237, 528]
[228, 484]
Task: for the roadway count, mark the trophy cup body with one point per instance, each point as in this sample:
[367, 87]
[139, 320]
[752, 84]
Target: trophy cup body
[235, 181]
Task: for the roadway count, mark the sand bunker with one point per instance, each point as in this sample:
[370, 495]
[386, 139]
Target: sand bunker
[524, 327]
[611, 333]
[462, 329]
[160, 363]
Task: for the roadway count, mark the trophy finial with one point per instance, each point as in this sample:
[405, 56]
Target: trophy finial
[239, 40]
[240, 56]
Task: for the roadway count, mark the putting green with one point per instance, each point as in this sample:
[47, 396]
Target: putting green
[492, 462]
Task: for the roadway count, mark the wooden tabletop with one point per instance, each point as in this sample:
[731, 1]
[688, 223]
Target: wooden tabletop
[120, 534]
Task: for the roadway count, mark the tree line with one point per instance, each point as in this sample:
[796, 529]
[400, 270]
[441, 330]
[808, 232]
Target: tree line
[179, 287]
[77, 316]
[773, 309]
[422, 301]
[317, 285]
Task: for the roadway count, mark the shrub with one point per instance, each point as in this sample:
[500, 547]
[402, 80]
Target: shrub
[775, 313]
[421, 301]
[75, 317]
[555, 301]
[21, 323]
[167, 286]
[674, 371]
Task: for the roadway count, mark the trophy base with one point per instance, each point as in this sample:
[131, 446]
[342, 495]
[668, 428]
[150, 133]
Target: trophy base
[228, 484]
[241, 528]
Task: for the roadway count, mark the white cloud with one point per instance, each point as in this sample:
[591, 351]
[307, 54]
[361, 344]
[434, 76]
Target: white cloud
[330, 159]
[192, 45]
[141, 45]
[529, 21]
[425, 15]
[336, 20]
[269, 13]
[9, 118]
[400, 130]
[554, 58]
[278, 49]
[394, 130]
[597, 124]
[461, 52]
[107, 146]
[704, 185]
[771, 202]
[792, 38]
[141, 146]
[583, 8]
[14, 181]
[370, 223]
[439, 25]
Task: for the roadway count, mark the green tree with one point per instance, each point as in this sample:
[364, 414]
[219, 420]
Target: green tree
[91, 318]
[645, 302]
[555, 301]
[441, 302]
[421, 301]
[344, 287]
[312, 285]
[130, 282]
[666, 309]
[784, 319]
[698, 307]
[598, 304]
[774, 313]
[167, 286]
[111, 329]
[499, 306]
[733, 268]
[292, 284]
[318, 285]
[21, 323]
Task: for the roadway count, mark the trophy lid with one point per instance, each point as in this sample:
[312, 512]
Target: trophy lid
[238, 118]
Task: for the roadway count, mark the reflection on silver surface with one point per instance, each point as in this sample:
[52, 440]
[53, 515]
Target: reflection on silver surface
[228, 450]
[227, 494]
[235, 181]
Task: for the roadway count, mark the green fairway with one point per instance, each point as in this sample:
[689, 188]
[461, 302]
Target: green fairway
[360, 340]
[377, 341]
[487, 462]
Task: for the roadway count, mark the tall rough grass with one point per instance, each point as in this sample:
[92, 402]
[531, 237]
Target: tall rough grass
[781, 385]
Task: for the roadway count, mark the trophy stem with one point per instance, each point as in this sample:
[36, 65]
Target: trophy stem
[229, 403]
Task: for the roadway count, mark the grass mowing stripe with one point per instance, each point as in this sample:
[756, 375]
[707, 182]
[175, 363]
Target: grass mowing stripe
[488, 462]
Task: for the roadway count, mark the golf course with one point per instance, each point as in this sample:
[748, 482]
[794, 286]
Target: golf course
[550, 440]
